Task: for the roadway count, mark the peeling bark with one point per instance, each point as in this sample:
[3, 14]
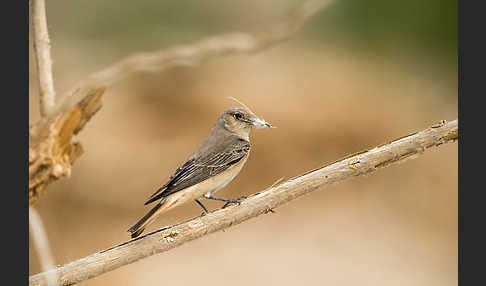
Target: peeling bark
[51, 149]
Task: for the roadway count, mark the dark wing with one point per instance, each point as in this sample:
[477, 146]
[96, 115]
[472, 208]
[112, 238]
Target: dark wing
[178, 174]
[196, 170]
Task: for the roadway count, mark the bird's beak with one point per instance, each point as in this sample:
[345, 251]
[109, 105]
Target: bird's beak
[260, 123]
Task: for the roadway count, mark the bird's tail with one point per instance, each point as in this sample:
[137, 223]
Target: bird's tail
[140, 226]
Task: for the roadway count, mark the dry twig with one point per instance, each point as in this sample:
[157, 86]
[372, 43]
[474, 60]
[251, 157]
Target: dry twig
[362, 163]
[43, 57]
[199, 52]
[41, 244]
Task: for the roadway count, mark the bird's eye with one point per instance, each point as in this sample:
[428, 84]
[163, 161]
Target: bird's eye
[237, 116]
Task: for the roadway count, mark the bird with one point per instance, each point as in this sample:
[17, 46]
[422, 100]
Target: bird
[210, 168]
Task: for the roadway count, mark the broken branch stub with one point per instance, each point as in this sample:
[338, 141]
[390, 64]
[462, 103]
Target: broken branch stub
[51, 150]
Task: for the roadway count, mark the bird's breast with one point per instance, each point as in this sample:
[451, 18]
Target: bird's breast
[223, 178]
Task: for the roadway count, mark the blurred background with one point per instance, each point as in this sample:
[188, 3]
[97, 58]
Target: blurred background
[358, 74]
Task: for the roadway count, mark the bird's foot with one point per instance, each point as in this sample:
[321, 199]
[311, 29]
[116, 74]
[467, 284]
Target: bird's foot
[234, 201]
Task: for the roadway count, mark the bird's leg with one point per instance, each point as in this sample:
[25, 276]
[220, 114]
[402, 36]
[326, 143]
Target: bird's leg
[204, 208]
[227, 201]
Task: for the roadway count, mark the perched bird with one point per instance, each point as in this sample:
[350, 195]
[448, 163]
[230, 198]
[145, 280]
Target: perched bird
[211, 167]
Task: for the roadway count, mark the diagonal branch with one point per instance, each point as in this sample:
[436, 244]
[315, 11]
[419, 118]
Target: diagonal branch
[43, 57]
[206, 49]
[362, 163]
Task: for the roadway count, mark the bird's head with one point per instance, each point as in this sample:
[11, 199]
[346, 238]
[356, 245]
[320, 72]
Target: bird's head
[240, 120]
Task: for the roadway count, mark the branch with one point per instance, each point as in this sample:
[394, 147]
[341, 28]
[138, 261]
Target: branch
[199, 52]
[41, 244]
[362, 163]
[43, 57]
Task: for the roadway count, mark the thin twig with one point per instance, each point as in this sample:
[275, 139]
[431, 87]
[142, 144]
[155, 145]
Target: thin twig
[362, 163]
[207, 48]
[41, 244]
[43, 58]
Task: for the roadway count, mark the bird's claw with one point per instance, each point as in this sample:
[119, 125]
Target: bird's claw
[234, 201]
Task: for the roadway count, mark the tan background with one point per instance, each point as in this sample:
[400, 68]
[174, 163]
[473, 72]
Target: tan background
[329, 96]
